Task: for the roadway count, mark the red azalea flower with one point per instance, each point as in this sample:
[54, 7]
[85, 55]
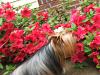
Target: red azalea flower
[80, 33]
[19, 57]
[88, 8]
[1, 12]
[29, 49]
[26, 12]
[96, 18]
[16, 34]
[18, 44]
[76, 18]
[36, 26]
[8, 25]
[10, 15]
[46, 28]
[68, 25]
[96, 42]
[79, 47]
[97, 10]
[43, 16]
[78, 57]
[6, 5]
[96, 60]
[94, 54]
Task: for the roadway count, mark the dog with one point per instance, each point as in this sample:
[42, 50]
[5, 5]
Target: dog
[51, 58]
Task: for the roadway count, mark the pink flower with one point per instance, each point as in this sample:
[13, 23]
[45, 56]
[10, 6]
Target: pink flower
[26, 12]
[10, 15]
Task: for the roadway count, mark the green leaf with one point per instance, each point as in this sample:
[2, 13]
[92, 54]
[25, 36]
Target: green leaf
[1, 66]
[88, 39]
[87, 50]
[73, 26]
[6, 73]
[85, 20]
[98, 66]
[1, 21]
[98, 56]
[81, 65]
[2, 33]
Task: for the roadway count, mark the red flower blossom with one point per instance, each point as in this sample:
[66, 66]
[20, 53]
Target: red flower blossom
[79, 57]
[80, 33]
[95, 60]
[79, 47]
[96, 19]
[88, 8]
[10, 15]
[46, 28]
[16, 34]
[94, 54]
[18, 44]
[68, 25]
[29, 48]
[19, 57]
[6, 5]
[96, 42]
[8, 25]
[97, 10]
[1, 12]
[43, 16]
[26, 12]
[76, 18]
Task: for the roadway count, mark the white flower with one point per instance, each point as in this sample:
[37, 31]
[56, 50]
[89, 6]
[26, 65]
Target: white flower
[60, 29]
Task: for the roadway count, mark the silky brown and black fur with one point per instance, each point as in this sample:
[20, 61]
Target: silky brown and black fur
[50, 59]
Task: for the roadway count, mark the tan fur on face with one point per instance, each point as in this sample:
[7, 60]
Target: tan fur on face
[64, 45]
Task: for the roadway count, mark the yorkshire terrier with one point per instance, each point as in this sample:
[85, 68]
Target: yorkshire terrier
[51, 58]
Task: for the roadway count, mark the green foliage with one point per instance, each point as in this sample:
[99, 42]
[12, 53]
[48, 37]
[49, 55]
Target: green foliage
[98, 66]
[73, 27]
[1, 21]
[88, 39]
[1, 66]
[81, 65]
[87, 50]
[9, 69]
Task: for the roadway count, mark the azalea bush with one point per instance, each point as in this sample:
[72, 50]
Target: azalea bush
[85, 24]
[23, 32]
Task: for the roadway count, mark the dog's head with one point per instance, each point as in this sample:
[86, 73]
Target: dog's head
[63, 44]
